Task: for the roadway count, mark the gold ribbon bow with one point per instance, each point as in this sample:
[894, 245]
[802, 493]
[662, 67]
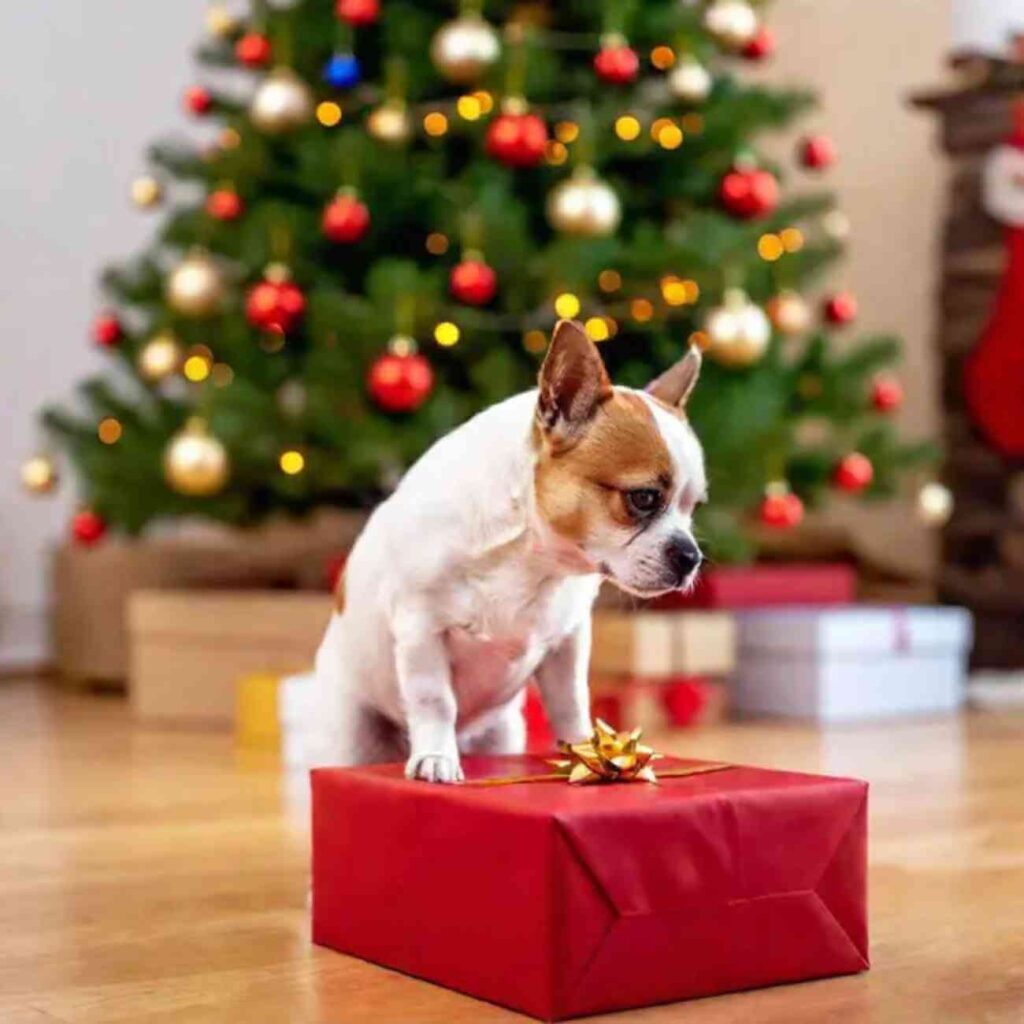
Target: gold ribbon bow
[607, 756]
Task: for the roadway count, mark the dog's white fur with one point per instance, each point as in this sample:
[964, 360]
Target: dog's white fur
[458, 592]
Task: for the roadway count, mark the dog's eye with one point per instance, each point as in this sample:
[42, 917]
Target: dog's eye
[643, 501]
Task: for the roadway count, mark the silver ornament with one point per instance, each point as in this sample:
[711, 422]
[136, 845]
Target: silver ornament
[463, 49]
[282, 103]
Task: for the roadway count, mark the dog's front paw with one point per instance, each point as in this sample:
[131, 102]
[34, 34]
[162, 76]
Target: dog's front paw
[434, 768]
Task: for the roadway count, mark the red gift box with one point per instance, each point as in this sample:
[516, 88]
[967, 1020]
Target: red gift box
[755, 586]
[561, 900]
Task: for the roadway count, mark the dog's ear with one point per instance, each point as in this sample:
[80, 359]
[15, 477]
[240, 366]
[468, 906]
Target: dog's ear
[573, 383]
[676, 384]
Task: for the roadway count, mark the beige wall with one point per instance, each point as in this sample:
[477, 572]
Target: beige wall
[865, 58]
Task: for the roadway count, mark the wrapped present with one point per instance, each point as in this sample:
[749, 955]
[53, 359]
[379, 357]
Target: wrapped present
[560, 900]
[852, 663]
[663, 643]
[256, 718]
[674, 702]
[766, 585]
[190, 648]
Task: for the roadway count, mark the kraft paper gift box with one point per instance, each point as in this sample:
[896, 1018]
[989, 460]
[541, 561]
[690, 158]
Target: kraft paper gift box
[560, 900]
[844, 664]
[663, 643]
[189, 649]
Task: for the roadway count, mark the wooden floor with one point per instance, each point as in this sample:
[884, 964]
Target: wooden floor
[158, 876]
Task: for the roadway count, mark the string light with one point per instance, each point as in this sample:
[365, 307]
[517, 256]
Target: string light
[292, 462]
[641, 310]
[693, 123]
[435, 124]
[469, 108]
[670, 137]
[328, 113]
[597, 328]
[660, 125]
[447, 334]
[567, 131]
[663, 57]
[567, 305]
[222, 375]
[609, 280]
[692, 290]
[627, 127]
[770, 248]
[109, 430]
[437, 243]
[792, 239]
[535, 341]
[196, 368]
[555, 153]
[229, 138]
[673, 291]
[485, 99]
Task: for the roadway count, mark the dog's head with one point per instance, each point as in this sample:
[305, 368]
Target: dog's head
[619, 472]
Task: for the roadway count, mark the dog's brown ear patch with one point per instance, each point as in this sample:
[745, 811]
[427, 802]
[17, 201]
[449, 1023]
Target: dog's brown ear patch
[676, 384]
[573, 383]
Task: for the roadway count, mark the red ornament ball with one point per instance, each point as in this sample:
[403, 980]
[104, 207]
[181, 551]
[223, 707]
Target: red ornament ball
[818, 152]
[749, 193]
[275, 306]
[198, 100]
[358, 13]
[224, 204]
[253, 50]
[886, 394]
[345, 220]
[473, 282]
[761, 46]
[107, 330]
[88, 528]
[853, 473]
[781, 511]
[617, 65]
[517, 140]
[400, 383]
[841, 308]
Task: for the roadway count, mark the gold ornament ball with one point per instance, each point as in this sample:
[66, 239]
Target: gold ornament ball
[147, 192]
[220, 22]
[732, 22]
[196, 463]
[390, 123]
[789, 313]
[935, 504]
[739, 331]
[282, 103]
[39, 475]
[584, 206]
[160, 357]
[464, 49]
[690, 81]
[196, 286]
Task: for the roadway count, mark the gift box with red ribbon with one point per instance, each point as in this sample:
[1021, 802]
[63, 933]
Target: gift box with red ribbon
[560, 900]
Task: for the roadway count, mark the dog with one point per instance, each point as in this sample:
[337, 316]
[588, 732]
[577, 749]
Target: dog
[479, 572]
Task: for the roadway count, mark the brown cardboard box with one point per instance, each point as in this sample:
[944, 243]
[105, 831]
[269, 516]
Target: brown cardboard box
[190, 648]
[92, 585]
[654, 644]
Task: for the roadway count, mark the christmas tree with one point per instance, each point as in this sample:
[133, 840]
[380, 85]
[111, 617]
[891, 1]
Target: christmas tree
[395, 214]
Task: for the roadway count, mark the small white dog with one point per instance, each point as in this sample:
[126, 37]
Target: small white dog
[479, 572]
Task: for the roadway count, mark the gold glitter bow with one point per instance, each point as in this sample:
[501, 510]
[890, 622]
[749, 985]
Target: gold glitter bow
[607, 756]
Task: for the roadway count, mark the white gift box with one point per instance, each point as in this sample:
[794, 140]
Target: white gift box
[844, 664]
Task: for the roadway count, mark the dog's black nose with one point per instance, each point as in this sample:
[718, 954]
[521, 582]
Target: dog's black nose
[683, 556]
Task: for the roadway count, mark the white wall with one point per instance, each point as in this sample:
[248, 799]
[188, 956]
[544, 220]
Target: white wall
[87, 85]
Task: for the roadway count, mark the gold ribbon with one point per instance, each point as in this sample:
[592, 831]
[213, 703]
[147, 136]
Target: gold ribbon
[607, 756]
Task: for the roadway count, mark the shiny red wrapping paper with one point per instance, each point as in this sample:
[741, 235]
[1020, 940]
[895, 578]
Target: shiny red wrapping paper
[561, 900]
